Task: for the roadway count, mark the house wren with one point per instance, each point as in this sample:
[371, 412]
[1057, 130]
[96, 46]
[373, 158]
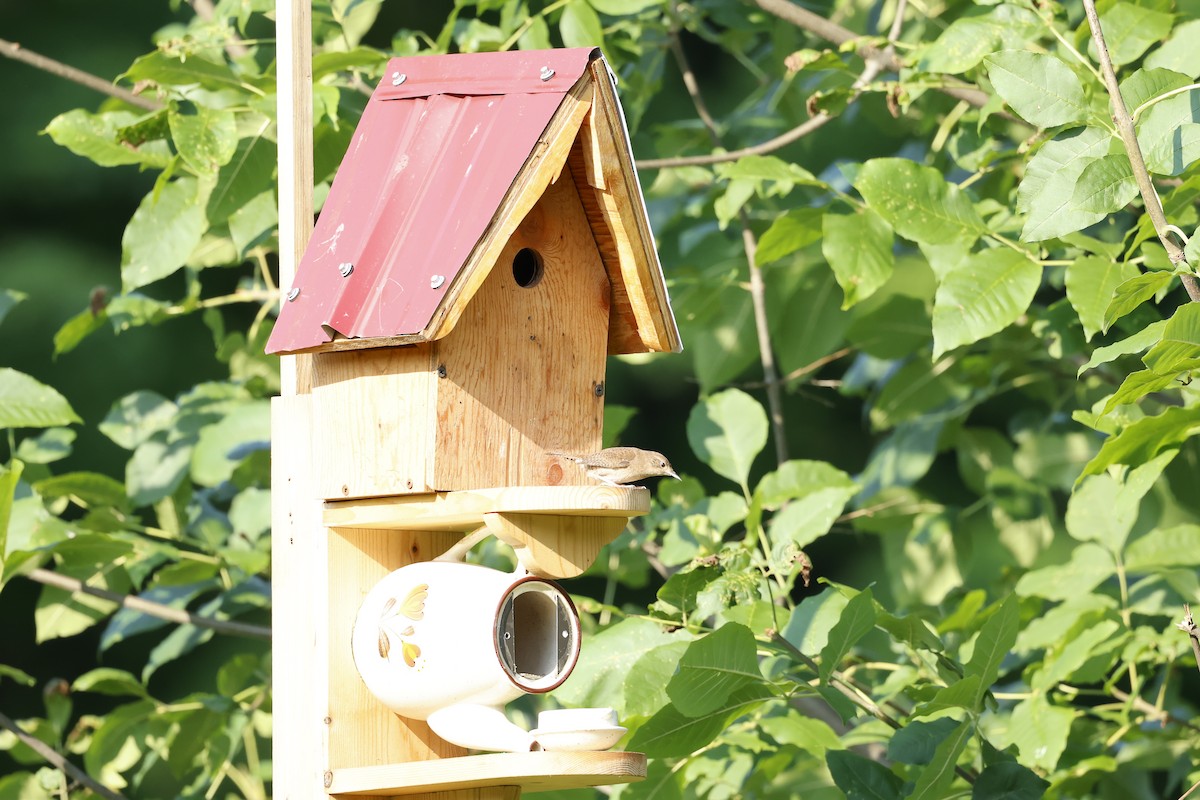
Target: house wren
[614, 466]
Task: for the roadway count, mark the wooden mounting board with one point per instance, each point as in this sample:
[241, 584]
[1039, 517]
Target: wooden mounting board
[465, 510]
[533, 772]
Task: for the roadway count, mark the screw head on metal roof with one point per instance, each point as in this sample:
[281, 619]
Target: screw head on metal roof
[398, 78]
[345, 268]
[293, 293]
[435, 281]
[546, 73]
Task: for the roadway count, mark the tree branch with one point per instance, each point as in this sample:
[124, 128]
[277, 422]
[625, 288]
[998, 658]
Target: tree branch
[749, 245]
[830, 31]
[56, 760]
[158, 610]
[18, 53]
[1133, 150]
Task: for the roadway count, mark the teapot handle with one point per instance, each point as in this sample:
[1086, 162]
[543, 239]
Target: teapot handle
[457, 552]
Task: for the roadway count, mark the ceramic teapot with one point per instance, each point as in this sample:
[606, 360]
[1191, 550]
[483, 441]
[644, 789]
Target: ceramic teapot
[452, 643]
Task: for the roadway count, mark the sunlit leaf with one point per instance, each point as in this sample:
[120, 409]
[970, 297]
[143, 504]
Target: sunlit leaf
[918, 202]
[983, 297]
[1040, 88]
[26, 402]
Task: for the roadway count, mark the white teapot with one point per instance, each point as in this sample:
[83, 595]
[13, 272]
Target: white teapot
[452, 643]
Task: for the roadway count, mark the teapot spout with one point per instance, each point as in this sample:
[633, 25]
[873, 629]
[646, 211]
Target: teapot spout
[480, 727]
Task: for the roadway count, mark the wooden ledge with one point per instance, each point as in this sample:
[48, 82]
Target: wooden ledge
[465, 510]
[533, 772]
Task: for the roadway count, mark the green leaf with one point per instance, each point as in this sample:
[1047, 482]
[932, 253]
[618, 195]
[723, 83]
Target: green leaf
[1179, 349]
[861, 778]
[809, 626]
[1133, 292]
[810, 735]
[815, 493]
[1048, 186]
[645, 687]
[579, 26]
[9, 476]
[963, 694]
[982, 297]
[620, 8]
[1105, 186]
[96, 137]
[136, 417]
[680, 591]
[206, 139]
[856, 621]
[26, 402]
[156, 470]
[1040, 730]
[1090, 565]
[1136, 386]
[246, 175]
[918, 202]
[789, 232]
[727, 431]
[1091, 282]
[1039, 88]
[1009, 780]
[163, 232]
[1136, 343]
[968, 39]
[1167, 133]
[858, 248]
[1146, 84]
[1073, 654]
[47, 447]
[1164, 548]
[1141, 441]
[76, 329]
[252, 224]
[917, 741]
[599, 679]
[1103, 509]
[995, 640]
[185, 69]
[109, 681]
[714, 667]
[934, 781]
[671, 734]
[1178, 53]
[1129, 30]
[90, 489]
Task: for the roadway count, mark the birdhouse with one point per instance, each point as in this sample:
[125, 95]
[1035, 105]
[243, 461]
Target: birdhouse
[483, 248]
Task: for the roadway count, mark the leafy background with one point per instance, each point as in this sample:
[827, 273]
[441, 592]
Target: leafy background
[935, 417]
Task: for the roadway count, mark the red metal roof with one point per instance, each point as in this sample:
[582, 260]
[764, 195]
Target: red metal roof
[439, 144]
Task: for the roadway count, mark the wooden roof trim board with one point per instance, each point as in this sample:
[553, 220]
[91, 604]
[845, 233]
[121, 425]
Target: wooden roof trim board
[585, 133]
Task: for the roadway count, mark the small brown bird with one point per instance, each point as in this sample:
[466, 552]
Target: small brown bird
[614, 466]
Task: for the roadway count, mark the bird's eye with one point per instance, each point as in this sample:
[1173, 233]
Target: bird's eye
[662, 463]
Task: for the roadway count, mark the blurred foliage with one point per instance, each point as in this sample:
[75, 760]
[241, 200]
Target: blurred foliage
[992, 349]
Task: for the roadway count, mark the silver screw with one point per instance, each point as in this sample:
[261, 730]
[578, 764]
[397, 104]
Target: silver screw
[398, 78]
[435, 281]
[345, 268]
[293, 293]
[547, 73]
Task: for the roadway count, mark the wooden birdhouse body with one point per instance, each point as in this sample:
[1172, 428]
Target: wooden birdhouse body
[522, 372]
[482, 250]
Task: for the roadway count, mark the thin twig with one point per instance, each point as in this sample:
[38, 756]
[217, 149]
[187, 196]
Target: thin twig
[830, 31]
[799, 132]
[18, 53]
[750, 245]
[158, 610]
[205, 10]
[55, 759]
[1133, 150]
[1188, 626]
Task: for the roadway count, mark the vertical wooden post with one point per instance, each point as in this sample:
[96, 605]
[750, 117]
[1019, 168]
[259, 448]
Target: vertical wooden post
[294, 122]
[299, 543]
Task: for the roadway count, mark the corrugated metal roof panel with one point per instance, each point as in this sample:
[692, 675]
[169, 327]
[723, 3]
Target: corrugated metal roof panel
[429, 164]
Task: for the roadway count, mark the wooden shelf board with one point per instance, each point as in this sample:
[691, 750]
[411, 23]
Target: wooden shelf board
[464, 510]
[533, 772]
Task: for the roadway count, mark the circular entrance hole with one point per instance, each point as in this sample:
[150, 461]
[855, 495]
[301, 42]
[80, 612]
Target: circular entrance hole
[527, 267]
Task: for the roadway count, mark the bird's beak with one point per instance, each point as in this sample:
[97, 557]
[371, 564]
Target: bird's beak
[673, 475]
